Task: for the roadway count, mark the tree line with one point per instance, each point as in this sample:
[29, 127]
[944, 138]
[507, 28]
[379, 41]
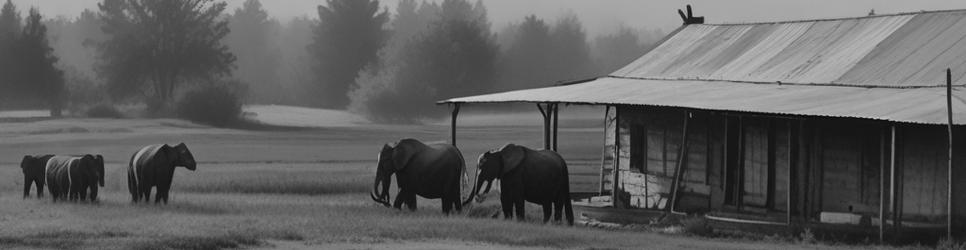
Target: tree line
[354, 54]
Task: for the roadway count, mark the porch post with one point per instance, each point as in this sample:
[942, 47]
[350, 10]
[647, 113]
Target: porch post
[556, 118]
[949, 176]
[452, 129]
[882, 185]
[894, 182]
[679, 170]
[617, 157]
[546, 113]
[603, 151]
[792, 159]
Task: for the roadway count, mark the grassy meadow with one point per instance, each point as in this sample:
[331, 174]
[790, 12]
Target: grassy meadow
[293, 189]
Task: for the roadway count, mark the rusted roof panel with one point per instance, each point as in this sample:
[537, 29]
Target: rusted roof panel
[915, 105]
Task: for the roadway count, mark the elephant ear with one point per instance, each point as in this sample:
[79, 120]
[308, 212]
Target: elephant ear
[26, 161]
[403, 153]
[512, 156]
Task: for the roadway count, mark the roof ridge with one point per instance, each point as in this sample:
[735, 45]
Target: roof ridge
[837, 19]
[790, 83]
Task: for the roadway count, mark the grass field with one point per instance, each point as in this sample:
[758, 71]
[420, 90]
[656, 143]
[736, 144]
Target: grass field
[292, 189]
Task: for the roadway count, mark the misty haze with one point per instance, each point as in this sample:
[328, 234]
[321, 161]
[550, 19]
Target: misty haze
[482, 124]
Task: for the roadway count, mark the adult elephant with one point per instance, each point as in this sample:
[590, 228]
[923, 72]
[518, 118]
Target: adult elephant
[537, 176]
[431, 171]
[33, 173]
[153, 166]
[71, 177]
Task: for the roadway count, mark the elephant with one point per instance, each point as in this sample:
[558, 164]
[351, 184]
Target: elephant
[33, 173]
[431, 171]
[71, 177]
[153, 166]
[537, 176]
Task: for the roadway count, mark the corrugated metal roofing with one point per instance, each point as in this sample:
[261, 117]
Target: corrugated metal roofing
[915, 105]
[889, 67]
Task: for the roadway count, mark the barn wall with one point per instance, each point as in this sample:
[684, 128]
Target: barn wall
[850, 166]
[924, 175]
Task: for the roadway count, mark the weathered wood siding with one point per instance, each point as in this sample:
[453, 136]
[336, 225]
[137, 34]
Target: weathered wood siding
[608, 154]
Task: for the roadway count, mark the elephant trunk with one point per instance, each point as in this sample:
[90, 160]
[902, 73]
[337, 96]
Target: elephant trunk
[476, 188]
[375, 189]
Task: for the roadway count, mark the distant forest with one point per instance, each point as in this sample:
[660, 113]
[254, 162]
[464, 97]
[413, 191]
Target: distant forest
[391, 66]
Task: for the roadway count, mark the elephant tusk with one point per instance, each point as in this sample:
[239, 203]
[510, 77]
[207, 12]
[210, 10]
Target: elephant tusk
[383, 202]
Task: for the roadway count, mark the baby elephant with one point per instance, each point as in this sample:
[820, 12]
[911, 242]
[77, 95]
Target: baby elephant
[537, 176]
[33, 173]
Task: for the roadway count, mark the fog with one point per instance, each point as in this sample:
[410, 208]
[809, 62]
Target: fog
[286, 55]
[601, 15]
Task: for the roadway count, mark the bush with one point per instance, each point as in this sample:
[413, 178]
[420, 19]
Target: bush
[104, 111]
[697, 225]
[218, 104]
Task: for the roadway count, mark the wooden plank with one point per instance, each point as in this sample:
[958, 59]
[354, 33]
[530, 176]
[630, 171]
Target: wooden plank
[894, 184]
[556, 121]
[678, 171]
[452, 129]
[617, 157]
[603, 153]
[949, 174]
[882, 186]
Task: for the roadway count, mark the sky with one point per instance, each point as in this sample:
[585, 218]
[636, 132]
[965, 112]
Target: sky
[601, 16]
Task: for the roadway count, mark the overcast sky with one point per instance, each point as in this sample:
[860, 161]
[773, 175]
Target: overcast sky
[601, 15]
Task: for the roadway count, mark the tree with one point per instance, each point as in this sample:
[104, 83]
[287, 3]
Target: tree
[571, 51]
[529, 57]
[614, 51]
[295, 72]
[10, 24]
[155, 46]
[38, 74]
[348, 37]
[454, 56]
[252, 41]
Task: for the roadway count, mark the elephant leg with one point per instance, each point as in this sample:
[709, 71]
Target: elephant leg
[399, 200]
[447, 205]
[26, 186]
[507, 206]
[146, 194]
[519, 205]
[411, 203]
[40, 187]
[547, 209]
[558, 210]
[163, 194]
[133, 189]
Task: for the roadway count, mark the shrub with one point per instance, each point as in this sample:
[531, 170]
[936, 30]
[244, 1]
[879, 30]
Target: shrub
[216, 104]
[104, 110]
[696, 226]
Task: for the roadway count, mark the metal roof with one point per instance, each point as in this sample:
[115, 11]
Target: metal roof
[889, 67]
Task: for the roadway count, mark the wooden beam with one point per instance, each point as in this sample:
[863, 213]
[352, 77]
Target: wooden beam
[556, 121]
[949, 176]
[894, 182]
[792, 159]
[617, 156]
[679, 169]
[603, 151]
[546, 124]
[882, 184]
[452, 129]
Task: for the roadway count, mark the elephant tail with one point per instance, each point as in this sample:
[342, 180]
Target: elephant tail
[568, 206]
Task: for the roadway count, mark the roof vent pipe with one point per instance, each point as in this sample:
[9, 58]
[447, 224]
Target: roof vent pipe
[690, 18]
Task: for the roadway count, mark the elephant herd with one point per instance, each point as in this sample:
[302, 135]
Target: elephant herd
[77, 177]
[434, 171]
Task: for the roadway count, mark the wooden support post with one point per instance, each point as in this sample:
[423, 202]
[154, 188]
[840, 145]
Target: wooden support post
[882, 185]
[617, 157]
[603, 151]
[791, 170]
[949, 176]
[894, 182]
[452, 129]
[556, 120]
[546, 124]
[679, 169]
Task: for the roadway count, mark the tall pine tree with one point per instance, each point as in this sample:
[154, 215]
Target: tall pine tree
[348, 37]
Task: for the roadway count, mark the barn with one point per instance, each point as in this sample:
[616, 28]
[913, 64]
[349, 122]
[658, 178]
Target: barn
[849, 123]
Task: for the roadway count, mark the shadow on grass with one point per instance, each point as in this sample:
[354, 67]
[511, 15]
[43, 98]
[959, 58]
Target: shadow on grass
[196, 242]
[57, 239]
